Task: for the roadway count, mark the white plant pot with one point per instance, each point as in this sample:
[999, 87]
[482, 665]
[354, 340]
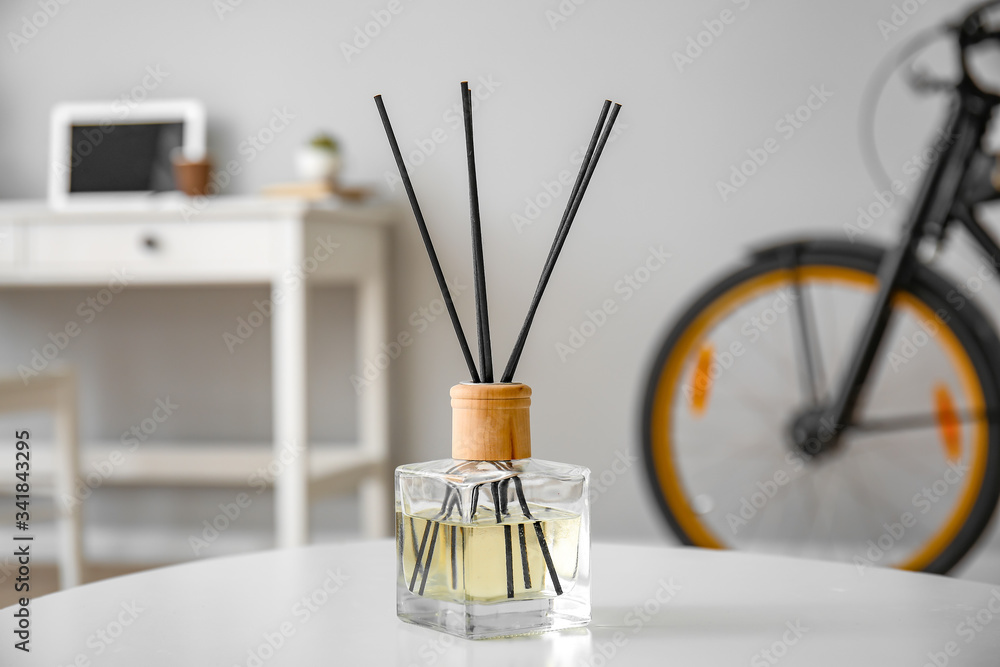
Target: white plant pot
[317, 164]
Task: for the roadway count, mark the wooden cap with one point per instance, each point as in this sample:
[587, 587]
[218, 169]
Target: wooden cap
[489, 422]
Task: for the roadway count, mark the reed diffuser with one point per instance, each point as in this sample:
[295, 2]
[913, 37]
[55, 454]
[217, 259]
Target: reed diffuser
[492, 542]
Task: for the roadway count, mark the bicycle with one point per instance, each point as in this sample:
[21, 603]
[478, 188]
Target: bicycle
[840, 399]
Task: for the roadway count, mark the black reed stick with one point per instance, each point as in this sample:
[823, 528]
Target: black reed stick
[508, 550]
[430, 552]
[420, 555]
[401, 532]
[413, 534]
[452, 500]
[505, 485]
[549, 565]
[495, 486]
[454, 561]
[425, 235]
[540, 534]
[524, 556]
[576, 196]
[475, 502]
[479, 268]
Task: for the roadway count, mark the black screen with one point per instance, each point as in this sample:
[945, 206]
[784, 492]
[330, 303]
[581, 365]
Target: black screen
[133, 157]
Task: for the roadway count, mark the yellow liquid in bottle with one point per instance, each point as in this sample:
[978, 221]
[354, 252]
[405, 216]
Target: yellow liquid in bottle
[469, 561]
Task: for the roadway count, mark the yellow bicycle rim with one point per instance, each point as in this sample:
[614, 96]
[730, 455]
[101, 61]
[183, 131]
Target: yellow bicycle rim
[690, 343]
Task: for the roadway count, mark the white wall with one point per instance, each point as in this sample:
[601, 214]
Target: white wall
[680, 133]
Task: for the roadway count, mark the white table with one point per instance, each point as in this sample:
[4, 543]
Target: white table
[233, 241]
[727, 609]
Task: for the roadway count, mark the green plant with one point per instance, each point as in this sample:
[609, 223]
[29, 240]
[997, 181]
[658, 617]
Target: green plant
[325, 142]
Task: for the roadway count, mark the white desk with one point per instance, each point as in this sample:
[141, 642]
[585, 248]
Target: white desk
[728, 608]
[234, 241]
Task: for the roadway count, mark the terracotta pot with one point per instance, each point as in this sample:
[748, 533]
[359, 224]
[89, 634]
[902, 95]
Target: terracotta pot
[191, 178]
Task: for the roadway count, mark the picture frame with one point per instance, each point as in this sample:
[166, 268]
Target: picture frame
[119, 153]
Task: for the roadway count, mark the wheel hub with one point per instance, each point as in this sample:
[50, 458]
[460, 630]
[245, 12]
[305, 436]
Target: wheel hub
[812, 435]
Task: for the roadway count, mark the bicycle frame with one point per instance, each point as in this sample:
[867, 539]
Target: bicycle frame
[946, 195]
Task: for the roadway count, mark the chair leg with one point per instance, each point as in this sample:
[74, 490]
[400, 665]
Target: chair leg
[68, 508]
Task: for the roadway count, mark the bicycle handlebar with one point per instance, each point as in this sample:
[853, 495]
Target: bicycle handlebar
[973, 29]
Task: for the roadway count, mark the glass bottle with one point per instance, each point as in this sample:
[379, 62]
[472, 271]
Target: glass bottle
[492, 542]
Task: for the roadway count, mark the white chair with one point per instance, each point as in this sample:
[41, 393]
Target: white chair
[54, 392]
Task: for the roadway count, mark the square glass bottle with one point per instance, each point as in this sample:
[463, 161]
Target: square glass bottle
[492, 542]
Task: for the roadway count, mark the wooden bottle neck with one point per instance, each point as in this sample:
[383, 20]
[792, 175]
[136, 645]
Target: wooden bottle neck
[490, 422]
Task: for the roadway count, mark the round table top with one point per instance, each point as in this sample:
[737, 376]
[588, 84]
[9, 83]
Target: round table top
[335, 605]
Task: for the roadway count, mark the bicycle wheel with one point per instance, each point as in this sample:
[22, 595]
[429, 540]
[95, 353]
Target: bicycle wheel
[914, 479]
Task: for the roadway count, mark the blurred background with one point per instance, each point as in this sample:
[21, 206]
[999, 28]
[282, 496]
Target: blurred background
[539, 72]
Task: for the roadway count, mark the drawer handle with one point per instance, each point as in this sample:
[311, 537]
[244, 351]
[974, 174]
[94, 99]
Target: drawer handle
[151, 243]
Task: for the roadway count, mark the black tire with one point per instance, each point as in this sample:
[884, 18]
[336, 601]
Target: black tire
[967, 322]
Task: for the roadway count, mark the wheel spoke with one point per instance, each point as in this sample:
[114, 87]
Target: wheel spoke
[756, 404]
[754, 450]
[720, 434]
[780, 365]
[915, 421]
[896, 461]
[867, 489]
[758, 468]
[750, 398]
[808, 341]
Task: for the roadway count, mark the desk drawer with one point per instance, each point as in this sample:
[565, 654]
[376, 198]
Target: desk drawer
[213, 247]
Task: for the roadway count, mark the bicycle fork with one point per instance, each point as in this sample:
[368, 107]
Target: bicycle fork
[937, 197]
